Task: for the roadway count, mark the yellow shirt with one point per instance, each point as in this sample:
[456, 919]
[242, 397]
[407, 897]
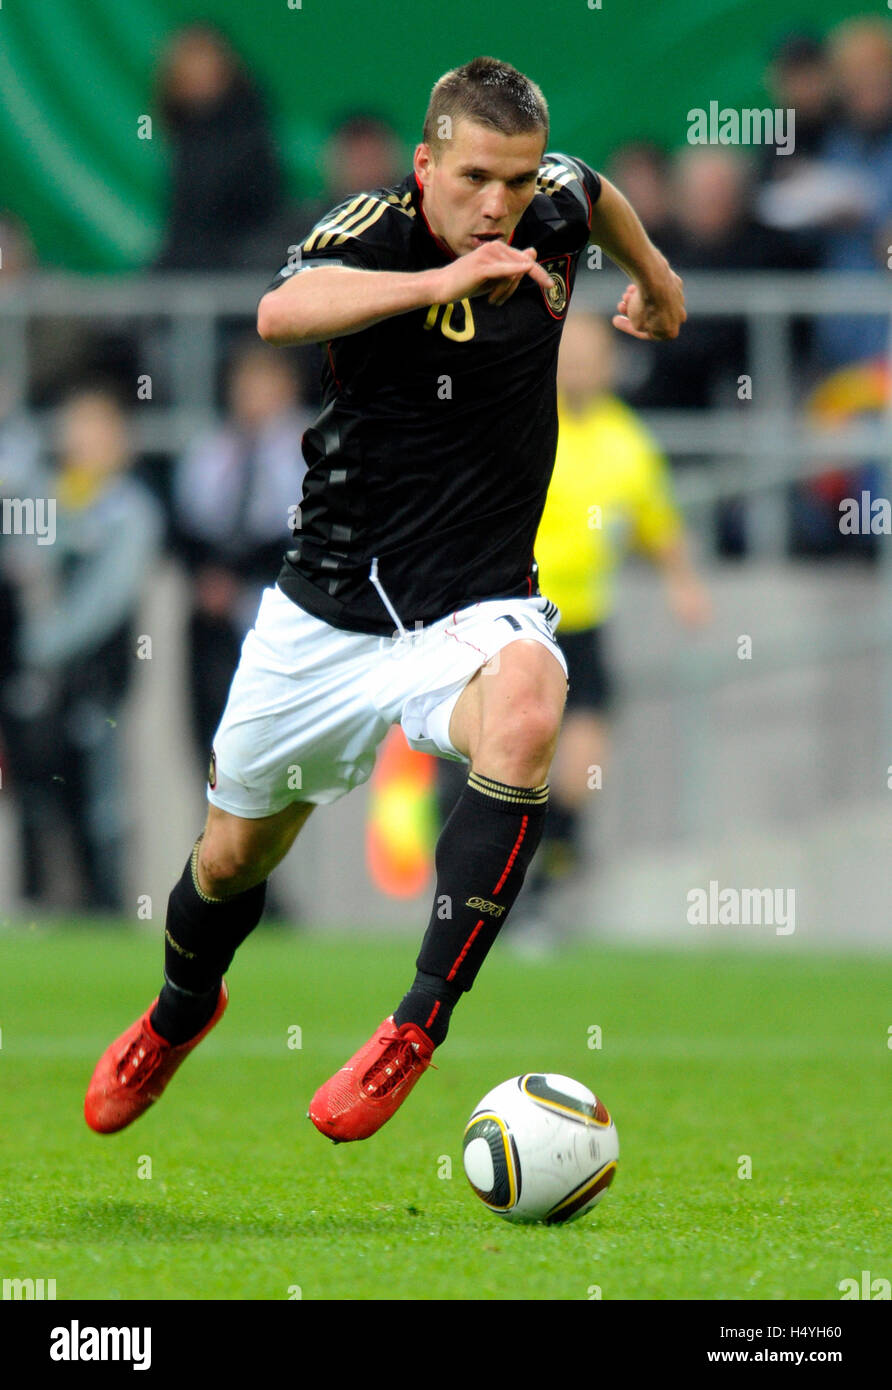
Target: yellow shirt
[611, 492]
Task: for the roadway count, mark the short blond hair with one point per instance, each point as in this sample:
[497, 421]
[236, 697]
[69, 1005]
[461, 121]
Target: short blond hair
[487, 92]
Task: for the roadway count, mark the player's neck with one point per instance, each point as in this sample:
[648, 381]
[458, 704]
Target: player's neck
[441, 241]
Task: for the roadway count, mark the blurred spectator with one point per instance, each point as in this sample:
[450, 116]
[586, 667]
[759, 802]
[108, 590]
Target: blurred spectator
[61, 349]
[235, 498]
[19, 446]
[21, 477]
[363, 152]
[643, 171]
[17, 247]
[715, 231]
[226, 184]
[78, 598]
[837, 197]
[861, 144]
[610, 495]
[799, 78]
[713, 210]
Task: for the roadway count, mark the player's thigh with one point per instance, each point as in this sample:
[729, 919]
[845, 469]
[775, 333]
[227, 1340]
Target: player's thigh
[515, 701]
[236, 852]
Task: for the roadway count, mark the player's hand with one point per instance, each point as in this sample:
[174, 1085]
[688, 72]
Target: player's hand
[494, 269]
[654, 312]
[690, 602]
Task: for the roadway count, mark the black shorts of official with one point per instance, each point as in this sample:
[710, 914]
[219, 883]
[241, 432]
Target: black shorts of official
[591, 685]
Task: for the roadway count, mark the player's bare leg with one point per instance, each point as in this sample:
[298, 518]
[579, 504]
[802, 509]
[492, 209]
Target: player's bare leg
[506, 721]
[236, 854]
[508, 717]
[217, 903]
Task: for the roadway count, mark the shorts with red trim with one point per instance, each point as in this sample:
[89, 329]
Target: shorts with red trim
[310, 703]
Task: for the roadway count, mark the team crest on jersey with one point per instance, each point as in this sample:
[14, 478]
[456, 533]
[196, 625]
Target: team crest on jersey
[557, 295]
[212, 771]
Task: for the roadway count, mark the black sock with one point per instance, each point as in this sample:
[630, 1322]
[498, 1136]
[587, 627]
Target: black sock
[482, 855]
[429, 1003]
[201, 937]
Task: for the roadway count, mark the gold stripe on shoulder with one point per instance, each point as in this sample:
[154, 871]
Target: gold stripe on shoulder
[404, 204]
[312, 240]
[370, 221]
[345, 224]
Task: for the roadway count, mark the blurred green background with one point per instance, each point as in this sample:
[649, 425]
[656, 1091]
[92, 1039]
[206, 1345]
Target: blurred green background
[74, 81]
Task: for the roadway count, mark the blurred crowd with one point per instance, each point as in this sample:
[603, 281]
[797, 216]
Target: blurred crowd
[225, 504]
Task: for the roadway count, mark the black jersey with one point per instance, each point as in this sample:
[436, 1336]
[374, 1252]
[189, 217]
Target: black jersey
[435, 445]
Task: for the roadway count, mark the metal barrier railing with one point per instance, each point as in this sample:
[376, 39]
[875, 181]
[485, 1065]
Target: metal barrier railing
[754, 452]
[188, 309]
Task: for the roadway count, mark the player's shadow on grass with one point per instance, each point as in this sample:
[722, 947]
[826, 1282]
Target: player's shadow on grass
[156, 1222]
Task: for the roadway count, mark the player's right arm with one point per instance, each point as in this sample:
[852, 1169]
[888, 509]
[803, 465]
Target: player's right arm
[323, 302]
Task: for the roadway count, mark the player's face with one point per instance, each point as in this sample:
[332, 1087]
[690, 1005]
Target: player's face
[481, 185]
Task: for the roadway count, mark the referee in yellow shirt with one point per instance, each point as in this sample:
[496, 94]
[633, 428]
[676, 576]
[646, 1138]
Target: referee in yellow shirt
[611, 493]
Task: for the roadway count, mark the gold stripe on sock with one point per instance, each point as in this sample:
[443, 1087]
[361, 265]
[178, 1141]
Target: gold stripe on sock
[205, 897]
[519, 796]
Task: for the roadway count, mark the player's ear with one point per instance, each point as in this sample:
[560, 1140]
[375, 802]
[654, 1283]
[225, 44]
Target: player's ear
[422, 162]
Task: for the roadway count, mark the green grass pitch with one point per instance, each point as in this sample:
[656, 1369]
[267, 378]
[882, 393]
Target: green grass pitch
[225, 1191]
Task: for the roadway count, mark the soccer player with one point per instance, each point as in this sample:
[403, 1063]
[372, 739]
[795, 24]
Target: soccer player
[411, 593]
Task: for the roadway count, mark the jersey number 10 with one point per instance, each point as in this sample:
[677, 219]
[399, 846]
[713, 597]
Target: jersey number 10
[458, 335]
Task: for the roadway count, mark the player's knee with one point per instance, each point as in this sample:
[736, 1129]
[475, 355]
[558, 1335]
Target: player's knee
[520, 748]
[228, 867]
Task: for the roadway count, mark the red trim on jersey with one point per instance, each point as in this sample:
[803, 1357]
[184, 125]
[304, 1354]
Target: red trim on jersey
[332, 365]
[440, 243]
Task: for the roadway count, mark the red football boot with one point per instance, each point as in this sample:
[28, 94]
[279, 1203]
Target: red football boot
[363, 1095]
[132, 1073]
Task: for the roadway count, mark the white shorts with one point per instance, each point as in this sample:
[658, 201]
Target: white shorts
[310, 703]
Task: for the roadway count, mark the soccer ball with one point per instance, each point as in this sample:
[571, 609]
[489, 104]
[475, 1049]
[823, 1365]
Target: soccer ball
[540, 1147]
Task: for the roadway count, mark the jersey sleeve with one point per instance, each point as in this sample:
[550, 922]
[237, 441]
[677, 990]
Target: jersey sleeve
[362, 233]
[575, 177]
[590, 180]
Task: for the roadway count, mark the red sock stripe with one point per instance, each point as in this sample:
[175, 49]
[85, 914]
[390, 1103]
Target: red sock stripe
[505, 872]
[434, 1011]
[513, 855]
[464, 950]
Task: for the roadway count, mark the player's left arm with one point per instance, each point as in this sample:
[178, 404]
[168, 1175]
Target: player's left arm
[688, 597]
[653, 304]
